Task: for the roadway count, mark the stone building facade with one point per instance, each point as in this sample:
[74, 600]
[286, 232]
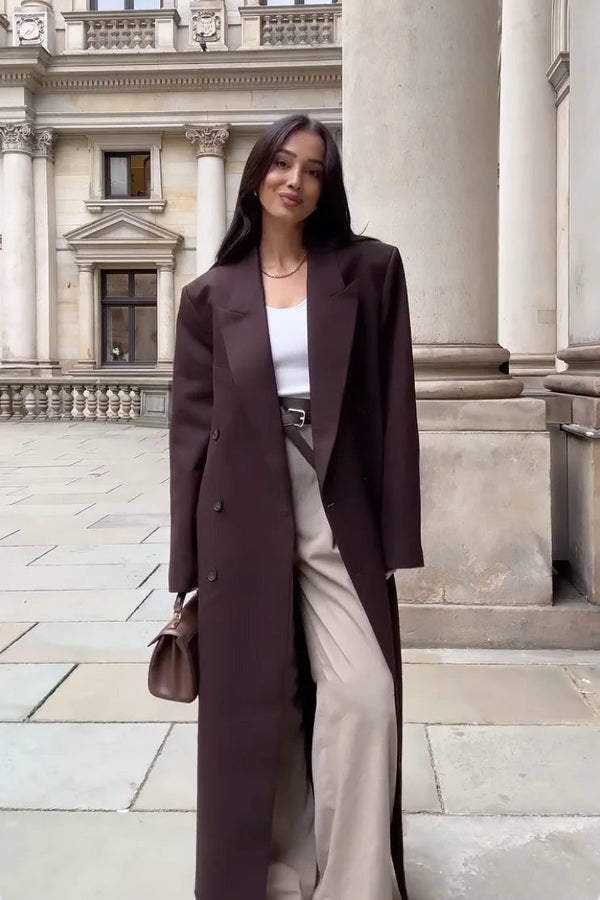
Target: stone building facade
[470, 134]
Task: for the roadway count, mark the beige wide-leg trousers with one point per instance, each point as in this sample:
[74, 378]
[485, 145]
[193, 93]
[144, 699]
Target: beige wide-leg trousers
[334, 843]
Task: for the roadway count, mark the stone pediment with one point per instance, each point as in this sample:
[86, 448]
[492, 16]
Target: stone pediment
[121, 236]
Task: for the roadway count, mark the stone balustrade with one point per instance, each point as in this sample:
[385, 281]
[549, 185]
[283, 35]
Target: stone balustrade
[121, 31]
[72, 400]
[312, 26]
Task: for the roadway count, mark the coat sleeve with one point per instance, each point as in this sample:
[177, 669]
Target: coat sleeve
[400, 499]
[191, 414]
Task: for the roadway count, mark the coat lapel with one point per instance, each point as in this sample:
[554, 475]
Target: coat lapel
[331, 311]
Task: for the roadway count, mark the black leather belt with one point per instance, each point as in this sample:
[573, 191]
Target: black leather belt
[295, 413]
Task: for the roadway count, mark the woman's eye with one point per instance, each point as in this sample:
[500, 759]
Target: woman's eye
[281, 163]
[316, 173]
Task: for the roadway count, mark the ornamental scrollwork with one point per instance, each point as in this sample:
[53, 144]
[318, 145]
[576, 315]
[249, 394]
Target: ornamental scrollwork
[209, 140]
[17, 137]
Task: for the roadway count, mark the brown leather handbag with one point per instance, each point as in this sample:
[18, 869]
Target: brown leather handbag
[173, 669]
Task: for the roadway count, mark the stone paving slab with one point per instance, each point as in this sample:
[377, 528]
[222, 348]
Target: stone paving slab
[419, 792]
[70, 606]
[159, 536]
[99, 855]
[506, 858]
[171, 785]
[112, 554]
[12, 631]
[481, 656]
[71, 533]
[159, 578]
[71, 499]
[158, 607]
[111, 692]
[132, 520]
[75, 766]
[79, 642]
[21, 556]
[23, 687]
[447, 857]
[587, 681]
[527, 769]
[66, 578]
[487, 695]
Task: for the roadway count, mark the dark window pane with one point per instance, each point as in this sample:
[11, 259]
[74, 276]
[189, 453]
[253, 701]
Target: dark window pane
[118, 179]
[117, 334]
[145, 334]
[140, 174]
[145, 284]
[117, 284]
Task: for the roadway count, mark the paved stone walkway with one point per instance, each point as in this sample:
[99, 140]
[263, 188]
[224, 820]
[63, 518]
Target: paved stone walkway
[502, 748]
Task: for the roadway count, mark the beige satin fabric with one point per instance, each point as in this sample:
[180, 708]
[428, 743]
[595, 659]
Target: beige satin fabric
[334, 844]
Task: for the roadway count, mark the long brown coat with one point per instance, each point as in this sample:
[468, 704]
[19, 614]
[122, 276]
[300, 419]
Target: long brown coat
[232, 530]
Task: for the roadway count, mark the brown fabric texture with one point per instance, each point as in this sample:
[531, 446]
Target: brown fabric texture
[232, 525]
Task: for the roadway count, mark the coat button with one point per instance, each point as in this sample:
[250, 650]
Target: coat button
[218, 505]
[215, 434]
[212, 575]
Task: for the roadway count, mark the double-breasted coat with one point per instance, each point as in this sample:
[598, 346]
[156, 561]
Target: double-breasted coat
[232, 526]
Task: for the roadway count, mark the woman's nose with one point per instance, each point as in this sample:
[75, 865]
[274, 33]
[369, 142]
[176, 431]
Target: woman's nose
[294, 177]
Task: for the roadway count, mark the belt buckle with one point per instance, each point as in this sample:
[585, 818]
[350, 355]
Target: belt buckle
[302, 413]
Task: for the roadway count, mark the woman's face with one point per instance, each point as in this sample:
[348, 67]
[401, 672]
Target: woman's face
[291, 188]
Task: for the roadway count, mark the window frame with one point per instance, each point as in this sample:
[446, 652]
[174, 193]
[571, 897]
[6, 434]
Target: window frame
[126, 154]
[131, 301]
[122, 143]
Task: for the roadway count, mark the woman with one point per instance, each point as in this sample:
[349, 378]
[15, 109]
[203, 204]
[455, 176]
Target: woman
[299, 331]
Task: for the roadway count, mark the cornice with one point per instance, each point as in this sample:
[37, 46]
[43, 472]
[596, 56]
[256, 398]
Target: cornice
[559, 75]
[192, 70]
[25, 66]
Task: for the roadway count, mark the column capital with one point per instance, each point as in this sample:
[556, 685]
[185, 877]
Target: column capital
[43, 143]
[208, 140]
[85, 266]
[166, 266]
[17, 138]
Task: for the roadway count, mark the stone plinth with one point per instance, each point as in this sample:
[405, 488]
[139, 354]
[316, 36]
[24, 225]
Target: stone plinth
[486, 505]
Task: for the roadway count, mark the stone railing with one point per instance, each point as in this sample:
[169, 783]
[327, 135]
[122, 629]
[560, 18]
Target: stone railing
[310, 26]
[69, 399]
[130, 31]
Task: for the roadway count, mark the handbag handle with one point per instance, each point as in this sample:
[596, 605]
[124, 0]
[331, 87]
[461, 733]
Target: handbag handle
[178, 606]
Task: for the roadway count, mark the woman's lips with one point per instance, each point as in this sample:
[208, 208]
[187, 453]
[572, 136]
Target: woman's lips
[290, 199]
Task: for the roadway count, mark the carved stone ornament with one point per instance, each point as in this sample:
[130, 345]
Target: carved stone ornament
[209, 140]
[17, 138]
[206, 25]
[43, 143]
[30, 28]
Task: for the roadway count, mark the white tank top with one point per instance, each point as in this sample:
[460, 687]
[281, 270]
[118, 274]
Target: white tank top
[288, 334]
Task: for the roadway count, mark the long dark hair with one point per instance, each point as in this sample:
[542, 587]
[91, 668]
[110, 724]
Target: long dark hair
[328, 225]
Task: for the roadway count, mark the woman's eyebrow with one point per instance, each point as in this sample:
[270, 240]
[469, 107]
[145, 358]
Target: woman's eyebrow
[295, 155]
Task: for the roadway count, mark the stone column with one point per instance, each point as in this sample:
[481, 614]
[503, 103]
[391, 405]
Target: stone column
[87, 341]
[581, 381]
[166, 315]
[420, 158]
[45, 249]
[527, 240]
[583, 352]
[430, 139]
[209, 141]
[18, 346]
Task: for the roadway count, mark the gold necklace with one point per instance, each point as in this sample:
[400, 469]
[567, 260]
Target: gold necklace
[286, 274]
